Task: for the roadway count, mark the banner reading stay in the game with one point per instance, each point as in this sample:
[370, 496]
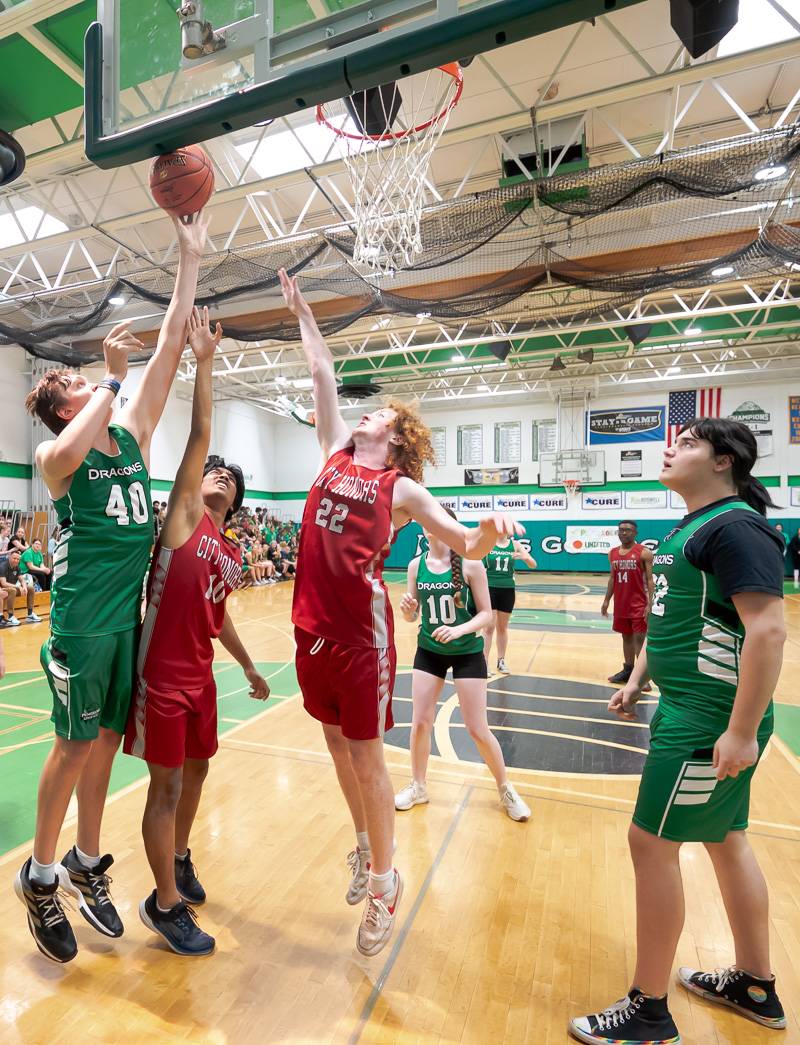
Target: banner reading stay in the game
[638, 425]
[490, 476]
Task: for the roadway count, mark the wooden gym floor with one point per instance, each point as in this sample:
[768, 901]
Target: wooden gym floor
[505, 930]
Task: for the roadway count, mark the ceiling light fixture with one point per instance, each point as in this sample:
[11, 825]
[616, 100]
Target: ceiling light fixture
[771, 172]
[722, 270]
[693, 330]
[117, 299]
[457, 357]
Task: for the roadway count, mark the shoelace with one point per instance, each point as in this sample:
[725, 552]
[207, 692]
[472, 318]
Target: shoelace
[186, 918]
[100, 884]
[51, 908]
[720, 978]
[618, 1017]
[376, 905]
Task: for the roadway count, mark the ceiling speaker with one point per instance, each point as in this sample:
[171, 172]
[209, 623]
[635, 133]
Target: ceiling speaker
[637, 332]
[499, 349]
[701, 24]
[557, 364]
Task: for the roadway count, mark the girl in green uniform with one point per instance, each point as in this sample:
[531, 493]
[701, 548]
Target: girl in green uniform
[499, 565]
[450, 597]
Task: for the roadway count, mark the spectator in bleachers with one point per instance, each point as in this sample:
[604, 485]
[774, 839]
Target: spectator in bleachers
[5, 537]
[52, 544]
[19, 540]
[32, 569]
[15, 588]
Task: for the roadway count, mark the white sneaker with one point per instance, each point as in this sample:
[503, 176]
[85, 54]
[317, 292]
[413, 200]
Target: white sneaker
[413, 794]
[12, 622]
[358, 862]
[513, 804]
[377, 921]
[502, 667]
[34, 618]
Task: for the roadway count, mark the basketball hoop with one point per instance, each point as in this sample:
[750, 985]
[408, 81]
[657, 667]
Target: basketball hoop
[572, 487]
[387, 135]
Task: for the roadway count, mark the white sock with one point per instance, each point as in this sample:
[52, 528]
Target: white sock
[88, 861]
[163, 910]
[362, 841]
[181, 856]
[380, 884]
[44, 874]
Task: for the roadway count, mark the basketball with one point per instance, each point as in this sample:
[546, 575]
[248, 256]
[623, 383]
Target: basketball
[182, 182]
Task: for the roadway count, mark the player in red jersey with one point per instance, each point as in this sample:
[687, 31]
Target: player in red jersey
[173, 719]
[630, 585]
[368, 488]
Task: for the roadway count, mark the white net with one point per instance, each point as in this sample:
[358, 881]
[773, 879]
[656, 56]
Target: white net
[387, 136]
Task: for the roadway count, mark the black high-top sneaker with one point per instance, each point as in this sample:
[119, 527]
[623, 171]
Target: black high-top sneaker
[91, 887]
[178, 927]
[751, 997]
[46, 919]
[636, 1018]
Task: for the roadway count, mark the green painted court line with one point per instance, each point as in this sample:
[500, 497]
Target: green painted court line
[20, 766]
[787, 725]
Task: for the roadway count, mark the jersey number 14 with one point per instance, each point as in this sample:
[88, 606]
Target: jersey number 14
[117, 507]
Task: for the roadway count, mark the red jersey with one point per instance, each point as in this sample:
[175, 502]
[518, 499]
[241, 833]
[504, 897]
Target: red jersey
[186, 593]
[630, 594]
[346, 534]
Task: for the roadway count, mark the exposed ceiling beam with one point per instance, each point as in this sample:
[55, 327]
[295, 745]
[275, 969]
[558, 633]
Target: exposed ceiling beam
[23, 15]
[46, 47]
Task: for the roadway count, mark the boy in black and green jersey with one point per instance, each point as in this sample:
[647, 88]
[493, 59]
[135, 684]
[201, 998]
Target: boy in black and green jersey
[450, 597]
[97, 475]
[714, 646]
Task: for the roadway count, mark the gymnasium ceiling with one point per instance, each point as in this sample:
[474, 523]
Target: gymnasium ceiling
[624, 82]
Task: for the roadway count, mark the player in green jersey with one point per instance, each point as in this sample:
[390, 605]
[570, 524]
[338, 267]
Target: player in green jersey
[450, 597]
[96, 471]
[499, 565]
[714, 646]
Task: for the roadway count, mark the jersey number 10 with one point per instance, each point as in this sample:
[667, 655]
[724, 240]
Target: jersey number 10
[447, 609]
[117, 507]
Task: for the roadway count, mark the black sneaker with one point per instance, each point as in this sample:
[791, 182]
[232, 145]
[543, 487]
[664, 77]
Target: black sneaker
[46, 919]
[751, 997]
[178, 927]
[621, 677]
[635, 1018]
[187, 881]
[91, 888]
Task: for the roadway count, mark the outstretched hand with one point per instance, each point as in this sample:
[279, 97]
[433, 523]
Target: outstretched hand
[118, 342]
[191, 233]
[202, 340]
[292, 295]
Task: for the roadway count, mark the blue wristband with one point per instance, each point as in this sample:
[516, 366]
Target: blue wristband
[111, 384]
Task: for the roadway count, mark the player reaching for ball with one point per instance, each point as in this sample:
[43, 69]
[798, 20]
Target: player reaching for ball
[97, 474]
[451, 599]
[368, 488]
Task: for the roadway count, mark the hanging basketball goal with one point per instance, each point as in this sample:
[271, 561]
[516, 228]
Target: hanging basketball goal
[572, 488]
[387, 135]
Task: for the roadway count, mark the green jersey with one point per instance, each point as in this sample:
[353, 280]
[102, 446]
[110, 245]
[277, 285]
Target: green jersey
[437, 606]
[106, 521]
[694, 634]
[499, 565]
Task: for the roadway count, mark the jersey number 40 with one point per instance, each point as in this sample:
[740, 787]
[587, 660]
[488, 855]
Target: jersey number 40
[117, 507]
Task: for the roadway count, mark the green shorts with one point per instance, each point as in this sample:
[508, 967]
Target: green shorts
[91, 678]
[680, 797]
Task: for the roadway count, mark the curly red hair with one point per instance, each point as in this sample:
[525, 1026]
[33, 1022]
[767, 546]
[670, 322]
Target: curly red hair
[415, 448]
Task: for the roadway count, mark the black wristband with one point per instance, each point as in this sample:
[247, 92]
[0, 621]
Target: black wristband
[111, 384]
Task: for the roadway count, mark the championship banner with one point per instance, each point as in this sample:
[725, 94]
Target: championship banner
[645, 498]
[759, 421]
[511, 502]
[639, 425]
[598, 502]
[491, 476]
[478, 503]
[591, 540]
[794, 419]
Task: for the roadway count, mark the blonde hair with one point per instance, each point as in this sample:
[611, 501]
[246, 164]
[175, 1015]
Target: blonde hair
[414, 449]
[46, 398]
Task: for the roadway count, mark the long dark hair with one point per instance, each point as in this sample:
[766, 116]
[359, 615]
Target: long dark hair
[456, 567]
[735, 440]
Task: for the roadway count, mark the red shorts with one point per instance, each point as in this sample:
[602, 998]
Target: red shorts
[631, 625]
[346, 686]
[166, 727]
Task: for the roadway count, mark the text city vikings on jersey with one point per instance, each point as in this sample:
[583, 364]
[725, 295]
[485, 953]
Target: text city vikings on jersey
[210, 548]
[352, 486]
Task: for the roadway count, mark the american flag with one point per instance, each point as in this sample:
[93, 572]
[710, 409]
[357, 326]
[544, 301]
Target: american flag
[683, 406]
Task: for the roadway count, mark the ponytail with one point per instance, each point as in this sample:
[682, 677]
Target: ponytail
[732, 439]
[457, 570]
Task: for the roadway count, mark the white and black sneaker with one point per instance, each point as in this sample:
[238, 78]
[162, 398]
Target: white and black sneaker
[186, 880]
[751, 997]
[178, 927]
[358, 862]
[91, 887]
[44, 904]
[634, 1020]
[502, 667]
